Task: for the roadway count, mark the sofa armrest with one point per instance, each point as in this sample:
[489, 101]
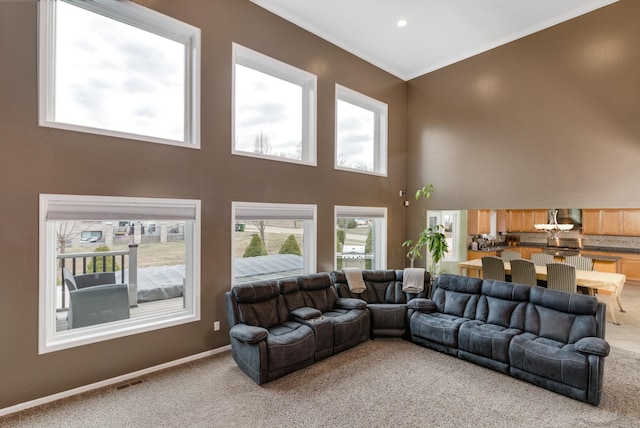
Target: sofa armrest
[350, 303]
[248, 333]
[422, 305]
[593, 345]
[306, 313]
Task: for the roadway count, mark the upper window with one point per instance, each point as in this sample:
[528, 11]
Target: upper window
[117, 68]
[273, 241]
[274, 112]
[115, 266]
[361, 133]
[361, 237]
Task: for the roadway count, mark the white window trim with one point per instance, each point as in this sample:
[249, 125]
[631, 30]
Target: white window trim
[380, 111]
[138, 16]
[48, 339]
[264, 210]
[309, 83]
[342, 211]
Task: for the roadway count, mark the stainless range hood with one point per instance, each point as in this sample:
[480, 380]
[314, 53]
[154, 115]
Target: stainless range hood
[568, 216]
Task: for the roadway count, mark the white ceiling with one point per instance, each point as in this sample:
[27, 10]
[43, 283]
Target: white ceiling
[438, 32]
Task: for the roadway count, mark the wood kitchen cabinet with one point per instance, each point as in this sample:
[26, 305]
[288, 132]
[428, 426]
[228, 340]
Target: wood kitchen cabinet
[591, 222]
[631, 222]
[478, 222]
[616, 222]
[524, 220]
[630, 266]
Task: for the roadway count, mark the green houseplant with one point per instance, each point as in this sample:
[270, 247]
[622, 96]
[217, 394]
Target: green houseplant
[430, 238]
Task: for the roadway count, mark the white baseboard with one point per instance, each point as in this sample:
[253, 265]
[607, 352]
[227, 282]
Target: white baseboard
[112, 381]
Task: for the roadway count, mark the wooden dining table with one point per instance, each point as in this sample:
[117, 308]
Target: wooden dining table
[594, 280]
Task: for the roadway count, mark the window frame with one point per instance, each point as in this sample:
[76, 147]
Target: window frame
[348, 211]
[380, 131]
[138, 16]
[48, 339]
[280, 211]
[272, 67]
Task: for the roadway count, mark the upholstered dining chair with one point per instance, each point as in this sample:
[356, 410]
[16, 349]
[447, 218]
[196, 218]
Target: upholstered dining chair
[508, 255]
[580, 262]
[523, 272]
[541, 259]
[562, 277]
[493, 268]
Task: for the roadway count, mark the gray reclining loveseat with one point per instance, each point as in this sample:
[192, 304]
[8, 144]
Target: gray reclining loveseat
[278, 327]
[386, 301]
[546, 337]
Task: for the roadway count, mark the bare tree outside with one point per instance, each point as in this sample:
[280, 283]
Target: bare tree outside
[261, 226]
[67, 230]
[262, 144]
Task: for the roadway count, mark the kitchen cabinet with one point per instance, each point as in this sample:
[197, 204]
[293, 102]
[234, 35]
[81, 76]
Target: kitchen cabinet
[524, 220]
[630, 266]
[473, 255]
[616, 222]
[611, 222]
[631, 222]
[501, 221]
[591, 222]
[478, 222]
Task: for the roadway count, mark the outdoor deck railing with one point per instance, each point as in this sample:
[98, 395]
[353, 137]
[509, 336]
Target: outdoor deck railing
[79, 266]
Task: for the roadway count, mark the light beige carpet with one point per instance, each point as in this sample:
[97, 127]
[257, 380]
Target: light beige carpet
[381, 383]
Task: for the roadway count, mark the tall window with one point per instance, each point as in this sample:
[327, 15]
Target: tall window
[117, 68]
[361, 133]
[361, 237]
[273, 241]
[115, 266]
[274, 110]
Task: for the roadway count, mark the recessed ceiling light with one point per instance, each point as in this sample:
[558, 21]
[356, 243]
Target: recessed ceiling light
[402, 23]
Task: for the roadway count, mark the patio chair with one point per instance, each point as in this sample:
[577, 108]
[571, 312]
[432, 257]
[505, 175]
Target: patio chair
[92, 301]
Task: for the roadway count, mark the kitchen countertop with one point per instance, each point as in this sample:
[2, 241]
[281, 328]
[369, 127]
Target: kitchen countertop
[585, 249]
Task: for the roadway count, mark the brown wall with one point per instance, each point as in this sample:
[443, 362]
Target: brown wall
[550, 120]
[36, 160]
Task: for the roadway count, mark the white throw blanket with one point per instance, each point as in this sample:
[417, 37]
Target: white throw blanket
[413, 280]
[354, 280]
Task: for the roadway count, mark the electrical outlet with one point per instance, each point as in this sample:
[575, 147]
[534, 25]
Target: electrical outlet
[216, 326]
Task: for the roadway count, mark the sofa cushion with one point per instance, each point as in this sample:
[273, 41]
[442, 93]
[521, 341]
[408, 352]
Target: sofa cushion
[388, 315]
[289, 343]
[487, 340]
[457, 295]
[437, 327]
[318, 291]
[549, 359]
[260, 304]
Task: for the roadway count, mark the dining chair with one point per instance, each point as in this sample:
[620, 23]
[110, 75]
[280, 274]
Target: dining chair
[523, 272]
[541, 259]
[508, 255]
[493, 268]
[580, 262]
[562, 277]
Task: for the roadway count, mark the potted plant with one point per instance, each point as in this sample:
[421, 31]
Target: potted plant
[430, 238]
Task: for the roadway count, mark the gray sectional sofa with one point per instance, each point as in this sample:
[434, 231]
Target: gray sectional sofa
[277, 327]
[549, 338]
[386, 301]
